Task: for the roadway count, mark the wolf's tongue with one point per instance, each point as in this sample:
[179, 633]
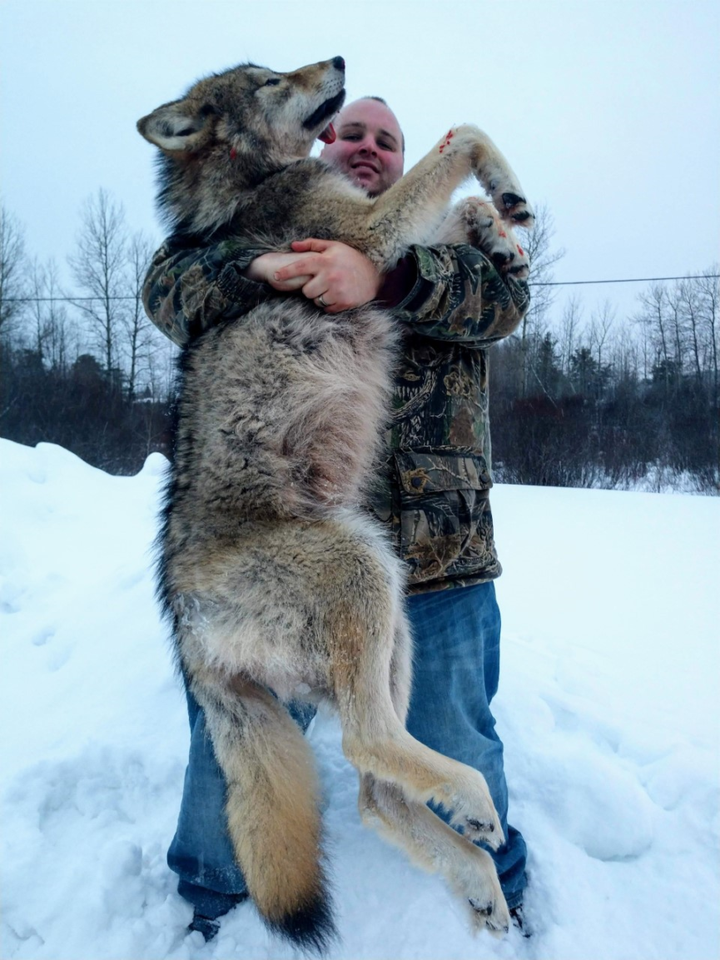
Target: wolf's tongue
[328, 135]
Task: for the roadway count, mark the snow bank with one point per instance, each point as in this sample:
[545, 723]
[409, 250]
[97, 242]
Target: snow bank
[608, 709]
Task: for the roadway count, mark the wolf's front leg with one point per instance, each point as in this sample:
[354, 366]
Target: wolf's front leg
[492, 171]
[478, 223]
[412, 209]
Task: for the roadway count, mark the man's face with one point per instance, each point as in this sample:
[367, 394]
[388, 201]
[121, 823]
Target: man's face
[368, 148]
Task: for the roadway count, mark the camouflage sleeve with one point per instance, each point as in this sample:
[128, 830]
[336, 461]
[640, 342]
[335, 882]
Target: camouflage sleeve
[188, 289]
[459, 295]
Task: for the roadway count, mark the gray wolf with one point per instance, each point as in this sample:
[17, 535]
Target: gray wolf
[272, 574]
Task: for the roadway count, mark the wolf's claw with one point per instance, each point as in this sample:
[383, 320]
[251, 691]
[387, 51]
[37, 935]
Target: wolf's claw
[479, 830]
[522, 216]
[512, 200]
[482, 826]
[502, 258]
[484, 910]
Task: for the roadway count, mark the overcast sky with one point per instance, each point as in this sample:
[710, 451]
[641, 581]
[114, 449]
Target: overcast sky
[609, 112]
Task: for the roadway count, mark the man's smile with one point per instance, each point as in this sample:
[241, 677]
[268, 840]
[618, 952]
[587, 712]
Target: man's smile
[360, 164]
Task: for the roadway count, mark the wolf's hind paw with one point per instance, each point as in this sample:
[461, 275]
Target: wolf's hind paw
[489, 233]
[483, 909]
[490, 915]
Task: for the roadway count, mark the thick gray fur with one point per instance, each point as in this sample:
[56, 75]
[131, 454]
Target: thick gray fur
[273, 574]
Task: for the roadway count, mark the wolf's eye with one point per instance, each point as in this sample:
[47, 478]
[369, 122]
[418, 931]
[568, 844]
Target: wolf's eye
[272, 82]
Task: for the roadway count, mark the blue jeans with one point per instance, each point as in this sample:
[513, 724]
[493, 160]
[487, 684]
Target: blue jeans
[456, 667]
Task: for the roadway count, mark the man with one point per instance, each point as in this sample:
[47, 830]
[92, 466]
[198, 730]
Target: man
[432, 491]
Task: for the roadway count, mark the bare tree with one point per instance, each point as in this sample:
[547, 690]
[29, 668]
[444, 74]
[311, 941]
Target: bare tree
[161, 365]
[99, 268]
[646, 350]
[538, 244]
[570, 325]
[689, 306]
[676, 320]
[654, 316]
[708, 288]
[50, 329]
[601, 324]
[13, 268]
[137, 334]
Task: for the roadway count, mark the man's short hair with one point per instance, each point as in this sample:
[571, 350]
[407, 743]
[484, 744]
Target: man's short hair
[385, 104]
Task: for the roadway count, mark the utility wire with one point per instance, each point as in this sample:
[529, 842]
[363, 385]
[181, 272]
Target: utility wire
[572, 283]
[550, 283]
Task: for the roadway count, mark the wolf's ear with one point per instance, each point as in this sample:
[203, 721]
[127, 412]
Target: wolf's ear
[175, 127]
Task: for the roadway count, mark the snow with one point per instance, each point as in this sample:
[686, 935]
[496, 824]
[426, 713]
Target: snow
[608, 708]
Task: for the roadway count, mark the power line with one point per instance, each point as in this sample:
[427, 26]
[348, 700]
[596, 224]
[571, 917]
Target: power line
[532, 283]
[66, 299]
[573, 283]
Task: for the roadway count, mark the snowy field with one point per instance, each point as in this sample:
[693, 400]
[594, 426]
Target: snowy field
[608, 708]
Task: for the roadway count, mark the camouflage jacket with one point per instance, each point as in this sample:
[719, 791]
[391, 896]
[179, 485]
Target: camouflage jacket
[432, 490]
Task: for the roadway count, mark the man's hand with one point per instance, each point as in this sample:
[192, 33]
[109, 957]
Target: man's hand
[342, 276]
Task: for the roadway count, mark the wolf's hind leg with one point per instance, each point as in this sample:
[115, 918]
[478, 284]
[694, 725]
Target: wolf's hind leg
[371, 703]
[272, 805]
[432, 845]
[401, 668]
[478, 223]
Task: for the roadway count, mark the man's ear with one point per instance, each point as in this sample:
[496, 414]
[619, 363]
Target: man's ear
[175, 127]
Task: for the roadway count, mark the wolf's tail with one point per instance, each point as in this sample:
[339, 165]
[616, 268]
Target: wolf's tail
[272, 809]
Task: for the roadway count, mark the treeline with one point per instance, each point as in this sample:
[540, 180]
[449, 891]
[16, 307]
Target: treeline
[614, 411]
[614, 405]
[575, 401]
[83, 368]
[78, 406]
[605, 401]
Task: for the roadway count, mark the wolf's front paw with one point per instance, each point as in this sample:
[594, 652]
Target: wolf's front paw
[517, 209]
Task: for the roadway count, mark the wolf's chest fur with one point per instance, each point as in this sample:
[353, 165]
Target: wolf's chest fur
[305, 199]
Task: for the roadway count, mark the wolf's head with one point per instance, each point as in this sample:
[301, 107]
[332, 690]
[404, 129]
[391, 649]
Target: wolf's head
[233, 129]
